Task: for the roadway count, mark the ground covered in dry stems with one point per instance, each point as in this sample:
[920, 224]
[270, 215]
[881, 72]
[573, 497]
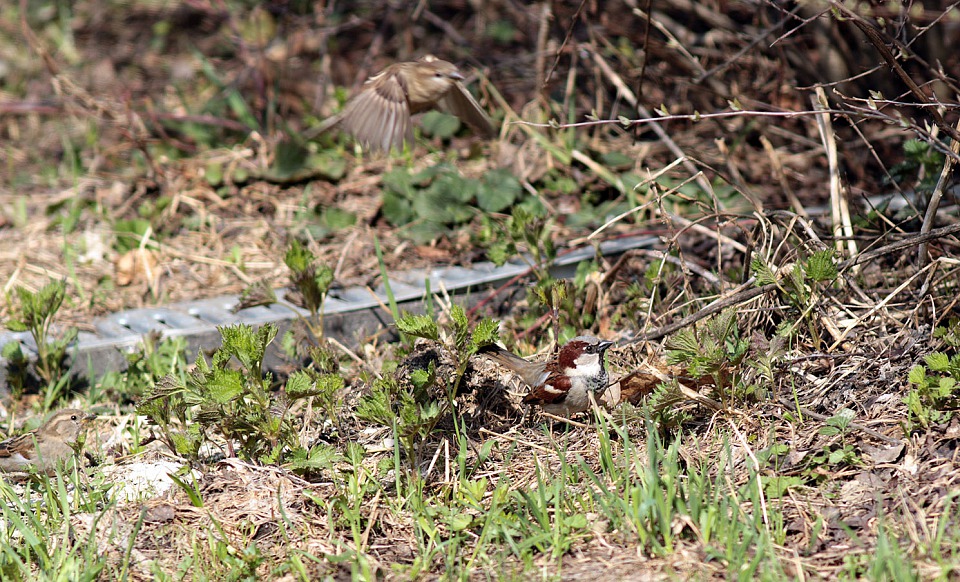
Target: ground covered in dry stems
[788, 350]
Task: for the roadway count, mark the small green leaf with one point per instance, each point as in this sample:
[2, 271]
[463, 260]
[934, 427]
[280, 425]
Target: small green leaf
[337, 219]
[299, 384]
[461, 326]
[576, 521]
[821, 267]
[938, 361]
[397, 209]
[290, 162]
[320, 457]
[224, 385]
[298, 258]
[329, 165]
[213, 174]
[499, 189]
[459, 521]
[485, 333]
[16, 325]
[438, 124]
[419, 326]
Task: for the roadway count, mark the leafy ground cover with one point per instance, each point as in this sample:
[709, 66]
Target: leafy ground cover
[793, 339]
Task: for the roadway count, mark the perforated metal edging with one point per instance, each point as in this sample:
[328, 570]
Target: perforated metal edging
[349, 314]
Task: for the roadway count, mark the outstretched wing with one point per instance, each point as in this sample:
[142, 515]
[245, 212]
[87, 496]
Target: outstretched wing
[379, 116]
[461, 103]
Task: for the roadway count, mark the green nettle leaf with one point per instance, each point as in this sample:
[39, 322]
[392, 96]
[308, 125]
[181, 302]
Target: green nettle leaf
[15, 325]
[323, 279]
[439, 124]
[498, 191]
[298, 258]
[915, 147]
[762, 272]
[337, 219]
[820, 266]
[224, 385]
[501, 251]
[419, 326]
[183, 445]
[375, 407]
[319, 457]
[396, 208]
[420, 378]
[682, 345]
[486, 332]
[913, 402]
[299, 385]
[238, 341]
[461, 327]
[329, 165]
[399, 181]
[938, 361]
[329, 383]
[267, 333]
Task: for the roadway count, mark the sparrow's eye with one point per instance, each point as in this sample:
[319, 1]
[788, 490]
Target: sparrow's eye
[73, 417]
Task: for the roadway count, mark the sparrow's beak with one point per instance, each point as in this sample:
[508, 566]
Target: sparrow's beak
[89, 417]
[604, 344]
[456, 76]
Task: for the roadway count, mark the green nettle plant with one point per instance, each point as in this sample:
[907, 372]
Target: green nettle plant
[712, 349]
[36, 315]
[410, 410]
[525, 232]
[802, 288]
[934, 396]
[311, 279]
[919, 159]
[236, 403]
[430, 203]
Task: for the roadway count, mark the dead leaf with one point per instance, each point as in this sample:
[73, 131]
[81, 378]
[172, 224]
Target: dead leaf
[137, 266]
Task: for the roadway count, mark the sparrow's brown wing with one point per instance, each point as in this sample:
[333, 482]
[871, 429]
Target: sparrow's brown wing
[553, 390]
[18, 452]
[379, 117]
[461, 103]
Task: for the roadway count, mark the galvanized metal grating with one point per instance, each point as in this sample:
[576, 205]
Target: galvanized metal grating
[348, 313]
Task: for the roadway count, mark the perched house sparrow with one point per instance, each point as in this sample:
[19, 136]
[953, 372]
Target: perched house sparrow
[379, 115]
[46, 447]
[562, 385]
